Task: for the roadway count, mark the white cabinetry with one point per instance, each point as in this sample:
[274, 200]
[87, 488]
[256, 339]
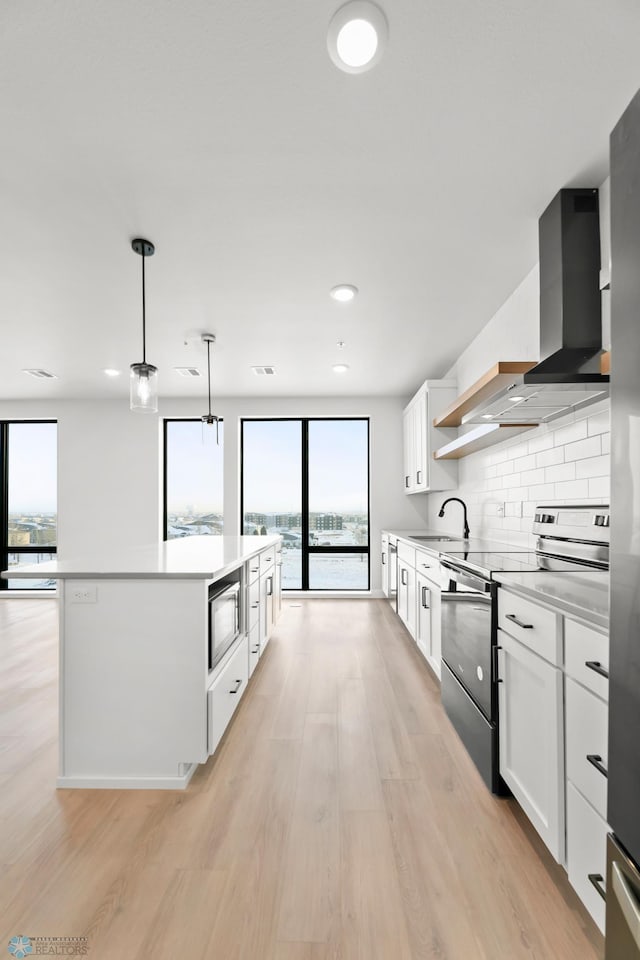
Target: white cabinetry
[586, 697]
[421, 471]
[225, 693]
[423, 617]
[407, 588]
[418, 596]
[384, 560]
[531, 738]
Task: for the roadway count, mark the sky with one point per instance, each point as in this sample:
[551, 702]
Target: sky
[32, 468]
[338, 465]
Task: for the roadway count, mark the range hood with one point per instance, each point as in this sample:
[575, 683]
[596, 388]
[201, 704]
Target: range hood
[568, 375]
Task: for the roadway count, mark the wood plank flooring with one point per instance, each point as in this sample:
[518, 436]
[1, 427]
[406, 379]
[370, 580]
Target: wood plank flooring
[341, 818]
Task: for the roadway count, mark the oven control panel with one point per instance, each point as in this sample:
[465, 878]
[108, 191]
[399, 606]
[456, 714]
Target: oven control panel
[581, 522]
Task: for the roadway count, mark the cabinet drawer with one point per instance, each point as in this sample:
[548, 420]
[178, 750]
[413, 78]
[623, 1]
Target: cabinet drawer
[536, 627]
[224, 694]
[406, 553]
[254, 648]
[254, 604]
[426, 561]
[587, 656]
[267, 560]
[587, 725]
[586, 852]
[254, 568]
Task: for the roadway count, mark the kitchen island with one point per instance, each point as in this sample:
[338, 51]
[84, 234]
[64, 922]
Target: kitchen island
[138, 705]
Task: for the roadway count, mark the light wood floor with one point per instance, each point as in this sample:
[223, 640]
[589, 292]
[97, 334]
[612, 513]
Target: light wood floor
[341, 818]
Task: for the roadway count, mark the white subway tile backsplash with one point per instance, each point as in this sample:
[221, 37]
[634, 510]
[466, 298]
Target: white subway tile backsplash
[547, 458]
[572, 489]
[582, 449]
[560, 472]
[573, 431]
[600, 423]
[532, 476]
[600, 487]
[565, 461]
[525, 463]
[594, 467]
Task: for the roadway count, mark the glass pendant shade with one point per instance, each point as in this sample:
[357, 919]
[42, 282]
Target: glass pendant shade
[143, 386]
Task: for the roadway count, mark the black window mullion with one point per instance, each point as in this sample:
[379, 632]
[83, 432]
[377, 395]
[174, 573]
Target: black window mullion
[304, 426]
[4, 503]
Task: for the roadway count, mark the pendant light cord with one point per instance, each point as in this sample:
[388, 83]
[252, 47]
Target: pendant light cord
[209, 373]
[144, 318]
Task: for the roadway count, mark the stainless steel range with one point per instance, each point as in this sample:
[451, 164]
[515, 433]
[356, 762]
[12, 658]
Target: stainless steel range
[570, 539]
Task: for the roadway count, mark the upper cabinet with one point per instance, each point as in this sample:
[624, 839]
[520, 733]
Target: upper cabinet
[421, 472]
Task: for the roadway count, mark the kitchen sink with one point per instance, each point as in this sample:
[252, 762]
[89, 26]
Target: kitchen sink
[435, 537]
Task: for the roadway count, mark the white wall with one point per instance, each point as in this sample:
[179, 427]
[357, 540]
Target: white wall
[110, 465]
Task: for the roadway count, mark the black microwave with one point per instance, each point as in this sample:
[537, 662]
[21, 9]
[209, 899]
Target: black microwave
[224, 618]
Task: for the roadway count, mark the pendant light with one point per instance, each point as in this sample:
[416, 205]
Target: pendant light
[210, 418]
[143, 379]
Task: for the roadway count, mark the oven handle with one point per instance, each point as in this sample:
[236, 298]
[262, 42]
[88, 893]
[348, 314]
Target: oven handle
[465, 578]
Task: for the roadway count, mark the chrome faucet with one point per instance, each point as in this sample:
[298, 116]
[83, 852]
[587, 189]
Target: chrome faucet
[464, 507]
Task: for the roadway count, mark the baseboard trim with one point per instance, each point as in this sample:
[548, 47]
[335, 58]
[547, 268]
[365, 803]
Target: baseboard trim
[127, 783]
[333, 594]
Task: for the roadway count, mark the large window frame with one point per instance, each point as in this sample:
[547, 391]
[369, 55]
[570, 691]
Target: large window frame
[307, 548]
[166, 421]
[5, 548]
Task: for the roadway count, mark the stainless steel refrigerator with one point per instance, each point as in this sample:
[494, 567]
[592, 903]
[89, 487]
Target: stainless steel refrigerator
[623, 867]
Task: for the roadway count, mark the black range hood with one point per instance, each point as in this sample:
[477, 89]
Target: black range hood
[570, 301]
[568, 376]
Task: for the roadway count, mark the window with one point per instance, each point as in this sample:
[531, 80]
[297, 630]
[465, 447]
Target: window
[28, 504]
[193, 479]
[308, 480]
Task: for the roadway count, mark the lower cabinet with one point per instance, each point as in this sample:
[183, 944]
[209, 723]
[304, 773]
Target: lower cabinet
[423, 617]
[586, 853]
[407, 596]
[532, 738]
[254, 648]
[266, 608]
[224, 694]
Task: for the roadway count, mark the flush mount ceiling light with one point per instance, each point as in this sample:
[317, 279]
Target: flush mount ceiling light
[210, 418]
[343, 293]
[40, 374]
[357, 36]
[143, 379]
[110, 372]
[340, 367]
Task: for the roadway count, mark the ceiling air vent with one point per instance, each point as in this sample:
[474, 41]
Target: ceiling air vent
[268, 371]
[41, 374]
[188, 371]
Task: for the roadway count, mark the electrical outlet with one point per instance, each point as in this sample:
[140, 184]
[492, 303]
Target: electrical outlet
[500, 510]
[83, 595]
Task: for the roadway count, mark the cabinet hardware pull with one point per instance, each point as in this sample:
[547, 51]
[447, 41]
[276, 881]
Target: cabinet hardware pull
[402, 579]
[495, 663]
[406, 481]
[596, 879]
[596, 760]
[419, 476]
[384, 559]
[256, 650]
[270, 588]
[597, 667]
[424, 598]
[254, 569]
[254, 606]
[238, 685]
[519, 623]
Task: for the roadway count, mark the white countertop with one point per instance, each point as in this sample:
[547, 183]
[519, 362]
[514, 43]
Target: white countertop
[584, 595]
[186, 558]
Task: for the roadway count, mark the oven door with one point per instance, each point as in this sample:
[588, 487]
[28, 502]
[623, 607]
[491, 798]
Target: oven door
[466, 644]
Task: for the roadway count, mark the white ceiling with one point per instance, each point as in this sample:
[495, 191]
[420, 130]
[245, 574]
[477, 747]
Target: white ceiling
[221, 131]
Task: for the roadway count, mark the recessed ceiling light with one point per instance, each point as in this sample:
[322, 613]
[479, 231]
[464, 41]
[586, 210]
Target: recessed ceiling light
[515, 399]
[357, 35]
[487, 416]
[344, 292]
[110, 372]
[340, 367]
[41, 374]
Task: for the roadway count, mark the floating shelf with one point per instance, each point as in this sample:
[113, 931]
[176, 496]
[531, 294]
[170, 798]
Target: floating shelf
[480, 437]
[492, 382]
